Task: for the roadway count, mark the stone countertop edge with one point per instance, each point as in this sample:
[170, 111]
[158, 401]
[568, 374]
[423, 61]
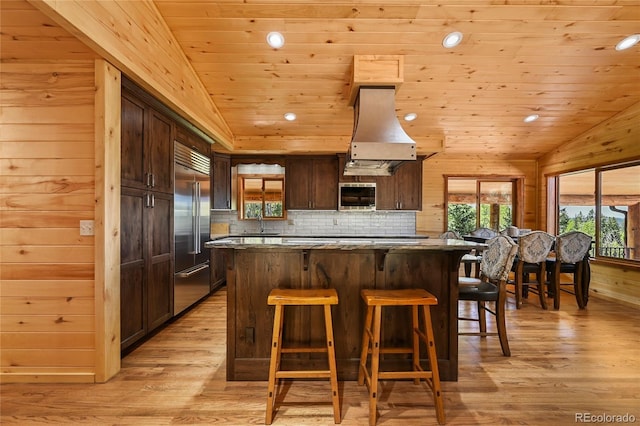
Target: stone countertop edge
[342, 243]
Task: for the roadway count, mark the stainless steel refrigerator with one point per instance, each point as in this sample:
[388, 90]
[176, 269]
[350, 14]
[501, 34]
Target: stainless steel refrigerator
[191, 226]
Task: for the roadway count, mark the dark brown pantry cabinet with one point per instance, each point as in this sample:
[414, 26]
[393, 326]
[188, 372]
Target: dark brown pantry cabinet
[311, 183]
[146, 217]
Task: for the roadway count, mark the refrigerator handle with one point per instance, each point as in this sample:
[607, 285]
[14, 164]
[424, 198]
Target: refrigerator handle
[194, 217]
[198, 205]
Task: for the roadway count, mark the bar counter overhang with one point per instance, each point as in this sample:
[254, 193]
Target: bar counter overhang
[256, 265]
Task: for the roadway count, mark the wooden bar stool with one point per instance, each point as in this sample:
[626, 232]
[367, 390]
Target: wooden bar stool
[280, 298]
[375, 300]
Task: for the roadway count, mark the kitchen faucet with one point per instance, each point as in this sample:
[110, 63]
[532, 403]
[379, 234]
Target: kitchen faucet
[260, 222]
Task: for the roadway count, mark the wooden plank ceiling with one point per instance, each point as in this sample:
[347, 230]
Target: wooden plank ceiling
[518, 57]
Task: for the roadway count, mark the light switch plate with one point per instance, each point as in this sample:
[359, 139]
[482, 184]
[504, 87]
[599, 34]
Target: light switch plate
[86, 227]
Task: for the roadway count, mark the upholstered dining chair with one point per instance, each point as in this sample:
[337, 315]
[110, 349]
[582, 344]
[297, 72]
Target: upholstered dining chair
[533, 250]
[468, 260]
[572, 250]
[496, 263]
[484, 233]
[450, 235]
[475, 257]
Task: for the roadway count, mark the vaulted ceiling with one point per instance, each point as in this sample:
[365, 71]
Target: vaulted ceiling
[556, 59]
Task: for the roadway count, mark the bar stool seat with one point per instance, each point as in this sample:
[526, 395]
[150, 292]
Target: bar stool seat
[371, 344]
[301, 297]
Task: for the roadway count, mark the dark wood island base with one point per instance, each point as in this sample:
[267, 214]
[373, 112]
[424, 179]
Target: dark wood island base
[255, 266]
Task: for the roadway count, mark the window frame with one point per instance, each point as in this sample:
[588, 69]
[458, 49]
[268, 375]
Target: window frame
[553, 208]
[241, 205]
[517, 192]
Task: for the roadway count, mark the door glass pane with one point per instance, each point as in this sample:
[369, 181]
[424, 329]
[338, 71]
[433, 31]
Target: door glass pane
[461, 205]
[496, 202]
[577, 203]
[252, 198]
[620, 213]
[273, 198]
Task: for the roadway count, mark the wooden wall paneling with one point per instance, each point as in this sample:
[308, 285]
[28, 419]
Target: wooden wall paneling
[107, 219]
[150, 55]
[47, 182]
[615, 283]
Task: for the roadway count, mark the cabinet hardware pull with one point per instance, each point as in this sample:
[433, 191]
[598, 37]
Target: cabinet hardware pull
[153, 200]
[148, 179]
[153, 180]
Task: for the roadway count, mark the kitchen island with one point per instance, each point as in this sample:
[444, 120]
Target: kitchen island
[256, 265]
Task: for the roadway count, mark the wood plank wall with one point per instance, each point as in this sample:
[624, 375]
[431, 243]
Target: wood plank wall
[47, 186]
[133, 36]
[430, 221]
[615, 140]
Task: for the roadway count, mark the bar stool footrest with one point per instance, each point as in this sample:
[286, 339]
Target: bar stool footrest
[300, 350]
[405, 375]
[302, 374]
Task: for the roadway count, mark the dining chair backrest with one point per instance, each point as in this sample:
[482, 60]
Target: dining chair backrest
[498, 257]
[572, 247]
[484, 233]
[450, 235]
[510, 231]
[535, 246]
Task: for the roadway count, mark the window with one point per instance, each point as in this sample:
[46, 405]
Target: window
[604, 203]
[619, 212]
[496, 198]
[261, 197]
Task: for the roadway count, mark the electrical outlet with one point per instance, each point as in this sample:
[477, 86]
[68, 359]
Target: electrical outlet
[86, 227]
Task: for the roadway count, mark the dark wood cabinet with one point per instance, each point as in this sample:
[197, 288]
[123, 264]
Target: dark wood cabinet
[133, 315]
[311, 183]
[146, 268]
[402, 190]
[218, 268]
[190, 139]
[146, 146]
[160, 260]
[221, 182]
[146, 218]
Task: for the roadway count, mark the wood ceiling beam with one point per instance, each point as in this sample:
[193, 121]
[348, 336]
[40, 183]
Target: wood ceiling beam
[134, 37]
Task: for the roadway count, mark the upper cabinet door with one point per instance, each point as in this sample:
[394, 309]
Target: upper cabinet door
[132, 160]
[409, 186]
[311, 183]
[403, 190]
[298, 184]
[221, 187]
[160, 152]
[146, 146]
[325, 183]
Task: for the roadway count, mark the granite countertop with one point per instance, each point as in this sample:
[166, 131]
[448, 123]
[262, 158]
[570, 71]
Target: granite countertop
[341, 243]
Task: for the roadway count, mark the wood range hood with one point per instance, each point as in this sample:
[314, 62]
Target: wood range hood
[379, 144]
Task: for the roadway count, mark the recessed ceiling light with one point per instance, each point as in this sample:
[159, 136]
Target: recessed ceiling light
[530, 118]
[628, 42]
[289, 116]
[452, 39]
[411, 116]
[275, 39]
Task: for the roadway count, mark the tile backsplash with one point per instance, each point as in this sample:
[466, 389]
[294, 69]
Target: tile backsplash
[324, 223]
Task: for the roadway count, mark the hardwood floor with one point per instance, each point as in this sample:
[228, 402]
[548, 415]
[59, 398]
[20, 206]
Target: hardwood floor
[563, 363]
